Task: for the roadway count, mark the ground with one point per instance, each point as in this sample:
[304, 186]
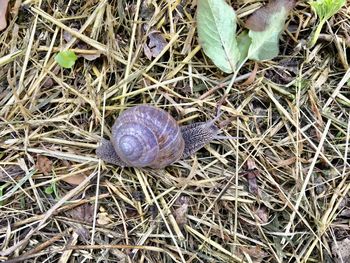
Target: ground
[279, 193]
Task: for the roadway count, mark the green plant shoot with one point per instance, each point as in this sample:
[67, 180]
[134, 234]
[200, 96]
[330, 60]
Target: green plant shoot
[66, 58]
[324, 9]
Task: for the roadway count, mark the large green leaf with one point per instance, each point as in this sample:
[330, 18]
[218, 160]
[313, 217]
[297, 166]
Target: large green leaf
[266, 25]
[243, 42]
[216, 25]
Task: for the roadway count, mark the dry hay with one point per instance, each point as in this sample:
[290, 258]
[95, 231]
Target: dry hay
[278, 195]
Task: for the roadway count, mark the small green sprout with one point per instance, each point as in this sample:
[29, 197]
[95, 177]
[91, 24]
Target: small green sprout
[66, 58]
[324, 9]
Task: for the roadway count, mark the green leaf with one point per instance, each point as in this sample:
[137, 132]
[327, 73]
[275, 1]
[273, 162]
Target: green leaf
[243, 41]
[216, 25]
[266, 25]
[66, 59]
[324, 9]
[49, 190]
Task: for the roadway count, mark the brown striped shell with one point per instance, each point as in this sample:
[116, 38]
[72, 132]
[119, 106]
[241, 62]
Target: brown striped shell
[147, 136]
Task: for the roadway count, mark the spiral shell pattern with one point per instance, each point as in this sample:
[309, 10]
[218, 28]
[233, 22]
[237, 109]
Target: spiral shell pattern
[147, 136]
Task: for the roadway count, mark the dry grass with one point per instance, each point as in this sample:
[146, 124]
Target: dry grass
[279, 195]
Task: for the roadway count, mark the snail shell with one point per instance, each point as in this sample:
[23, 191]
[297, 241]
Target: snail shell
[147, 136]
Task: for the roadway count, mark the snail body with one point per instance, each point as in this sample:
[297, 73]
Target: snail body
[146, 136]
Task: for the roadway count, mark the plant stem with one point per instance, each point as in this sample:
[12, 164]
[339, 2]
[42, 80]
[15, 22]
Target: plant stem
[316, 33]
[235, 76]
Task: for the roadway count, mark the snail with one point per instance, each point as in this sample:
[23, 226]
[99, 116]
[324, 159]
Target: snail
[146, 136]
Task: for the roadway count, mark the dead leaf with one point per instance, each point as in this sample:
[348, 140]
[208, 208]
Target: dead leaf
[83, 213]
[11, 172]
[75, 179]
[88, 53]
[147, 52]
[251, 164]
[256, 253]
[180, 213]
[67, 36]
[91, 56]
[83, 232]
[119, 254]
[259, 20]
[344, 207]
[262, 213]
[43, 164]
[341, 251]
[286, 162]
[252, 76]
[147, 10]
[3, 13]
[16, 7]
[252, 174]
[154, 211]
[138, 196]
[320, 185]
[156, 44]
[103, 217]
[131, 212]
[48, 83]
[345, 213]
